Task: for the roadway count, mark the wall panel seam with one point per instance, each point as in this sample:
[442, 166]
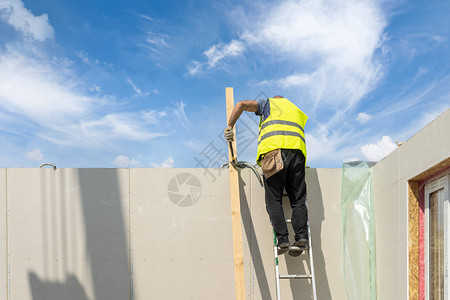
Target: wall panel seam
[130, 262]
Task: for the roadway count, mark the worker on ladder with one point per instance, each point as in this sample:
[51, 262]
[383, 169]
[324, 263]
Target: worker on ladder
[282, 156]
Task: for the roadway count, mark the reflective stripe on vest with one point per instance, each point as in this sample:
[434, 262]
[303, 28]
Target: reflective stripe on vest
[281, 132]
[283, 128]
[280, 122]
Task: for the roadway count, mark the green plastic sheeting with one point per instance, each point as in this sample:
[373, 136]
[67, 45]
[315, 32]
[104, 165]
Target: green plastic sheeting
[359, 268]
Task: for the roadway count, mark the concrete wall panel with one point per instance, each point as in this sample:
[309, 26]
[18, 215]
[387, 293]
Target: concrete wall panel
[263, 269]
[427, 148]
[385, 180]
[72, 230]
[68, 233]
[388, 238]
[326, 225]
[181, 218]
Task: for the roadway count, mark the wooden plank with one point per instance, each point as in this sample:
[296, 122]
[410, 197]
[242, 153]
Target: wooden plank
[235, 213]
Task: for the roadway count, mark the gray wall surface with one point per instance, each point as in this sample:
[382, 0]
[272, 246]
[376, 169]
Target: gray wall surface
[428, 147]
[166, 233]
[153, 234]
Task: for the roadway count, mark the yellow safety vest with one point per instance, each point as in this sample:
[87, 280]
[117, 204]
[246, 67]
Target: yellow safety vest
[282, 129]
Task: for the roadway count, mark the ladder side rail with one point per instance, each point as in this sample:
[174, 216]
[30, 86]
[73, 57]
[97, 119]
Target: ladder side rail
[311, 259]
[277, 271]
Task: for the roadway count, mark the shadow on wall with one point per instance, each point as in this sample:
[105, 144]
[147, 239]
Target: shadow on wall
[71, 289]
[301, 289]
[106, 236]
[254, 247]
[107, 252]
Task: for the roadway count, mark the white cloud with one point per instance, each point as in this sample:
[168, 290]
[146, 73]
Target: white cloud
[330, 52]
[334, 41]
[23, 20]
[363, 118]
[167, 163]
[102, 132]
[181, 114]
[377, 151]
[217, 53]
[49, 96]
[123, 161]
[35, 154]
[343, 33]
[39, 90]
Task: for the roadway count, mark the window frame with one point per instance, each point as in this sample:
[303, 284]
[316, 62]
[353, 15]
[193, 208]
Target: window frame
[431, 186]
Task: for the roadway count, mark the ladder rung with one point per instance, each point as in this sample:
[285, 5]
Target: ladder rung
[294, 248]
[288, 221]
[295, 276]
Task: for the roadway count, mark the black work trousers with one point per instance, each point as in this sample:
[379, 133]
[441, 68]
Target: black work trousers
[292, 178]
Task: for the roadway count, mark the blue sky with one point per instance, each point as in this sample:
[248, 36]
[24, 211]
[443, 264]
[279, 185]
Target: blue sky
[142, 84]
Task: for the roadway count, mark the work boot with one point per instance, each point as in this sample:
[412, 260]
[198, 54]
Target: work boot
[283, 247]
[301, 243]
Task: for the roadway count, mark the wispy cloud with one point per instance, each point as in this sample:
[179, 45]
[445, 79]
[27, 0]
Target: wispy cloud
[156, 40]
[431, 37]
[23, 20]
[57, 106]
[180, 114]
[102, 132]
[137, 90]
[322, 38]
[153, 116]
[40, 91]
[215, 54]
[148, 18]
[408, 98]
[84, 58]
[156, 43]
[294, 80]
[422, 120]
[331, 52]
[420, 72]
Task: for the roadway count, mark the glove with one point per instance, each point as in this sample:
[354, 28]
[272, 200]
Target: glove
[228, 134]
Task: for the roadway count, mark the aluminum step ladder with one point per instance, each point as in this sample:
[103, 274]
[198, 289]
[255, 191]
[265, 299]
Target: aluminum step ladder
[310, 276]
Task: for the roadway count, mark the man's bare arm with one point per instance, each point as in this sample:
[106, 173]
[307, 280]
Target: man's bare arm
[247, 105]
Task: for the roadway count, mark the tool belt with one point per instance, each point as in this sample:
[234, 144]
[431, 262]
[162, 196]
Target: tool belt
[272, 163]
